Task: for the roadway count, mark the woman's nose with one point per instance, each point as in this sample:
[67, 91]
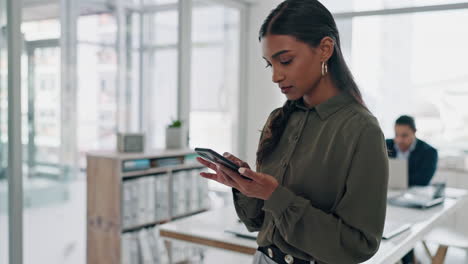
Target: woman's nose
[278, 76]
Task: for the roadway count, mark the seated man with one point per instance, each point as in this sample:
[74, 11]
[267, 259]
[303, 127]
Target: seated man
[422, 158]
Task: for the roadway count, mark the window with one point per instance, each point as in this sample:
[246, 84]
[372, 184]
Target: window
[215, 79]
[404, 65]
[97, 85]
[160, 86]
[215, 73]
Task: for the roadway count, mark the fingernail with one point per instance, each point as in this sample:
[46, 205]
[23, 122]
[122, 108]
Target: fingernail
[241, 170]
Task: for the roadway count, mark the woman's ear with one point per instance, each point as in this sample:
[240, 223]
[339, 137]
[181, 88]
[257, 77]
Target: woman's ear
[326, 48]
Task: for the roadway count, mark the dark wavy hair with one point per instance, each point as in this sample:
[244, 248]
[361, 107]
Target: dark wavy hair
[307, 21]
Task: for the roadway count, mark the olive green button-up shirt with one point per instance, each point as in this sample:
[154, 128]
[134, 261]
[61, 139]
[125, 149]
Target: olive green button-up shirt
[332, 167]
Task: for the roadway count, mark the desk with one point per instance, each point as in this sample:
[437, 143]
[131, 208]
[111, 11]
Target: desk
[422, 221]
[208, 228]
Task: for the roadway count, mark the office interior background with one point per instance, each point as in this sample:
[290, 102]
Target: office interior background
[88, 69]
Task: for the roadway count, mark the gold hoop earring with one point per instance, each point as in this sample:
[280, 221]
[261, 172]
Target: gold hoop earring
[324, 68]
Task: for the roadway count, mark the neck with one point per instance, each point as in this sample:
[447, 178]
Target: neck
[324, 90]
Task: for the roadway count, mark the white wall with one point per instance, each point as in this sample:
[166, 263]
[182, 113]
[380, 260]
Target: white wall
[263, 96]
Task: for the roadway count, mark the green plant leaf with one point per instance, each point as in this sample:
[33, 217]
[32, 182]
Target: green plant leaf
[175, 123]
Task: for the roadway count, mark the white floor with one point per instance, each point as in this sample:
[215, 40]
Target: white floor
[56, 234]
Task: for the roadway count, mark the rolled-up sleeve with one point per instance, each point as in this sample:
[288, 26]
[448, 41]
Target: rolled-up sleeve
[352, 232]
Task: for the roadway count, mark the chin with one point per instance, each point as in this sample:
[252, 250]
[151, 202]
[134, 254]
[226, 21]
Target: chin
[293, 97]
[403, 148]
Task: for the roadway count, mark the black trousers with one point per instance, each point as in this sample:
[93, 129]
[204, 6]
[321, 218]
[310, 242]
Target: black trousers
[408, 258]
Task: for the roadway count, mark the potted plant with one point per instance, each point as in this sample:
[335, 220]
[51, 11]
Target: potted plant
[175, 138]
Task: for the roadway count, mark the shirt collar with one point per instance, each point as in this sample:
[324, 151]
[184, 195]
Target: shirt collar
[329, 107]
[411, 148]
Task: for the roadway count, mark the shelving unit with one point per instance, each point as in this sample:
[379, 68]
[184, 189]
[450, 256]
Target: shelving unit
[121, 199]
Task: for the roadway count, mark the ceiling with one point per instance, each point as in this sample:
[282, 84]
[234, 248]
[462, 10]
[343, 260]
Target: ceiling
[48, 9]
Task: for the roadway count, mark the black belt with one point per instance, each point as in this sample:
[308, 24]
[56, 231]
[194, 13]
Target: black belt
[279, 257]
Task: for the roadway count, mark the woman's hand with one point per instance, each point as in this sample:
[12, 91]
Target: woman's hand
[261, 185]
[219, 176]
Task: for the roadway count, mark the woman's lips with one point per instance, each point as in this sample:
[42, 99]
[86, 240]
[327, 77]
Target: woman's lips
[286, 89]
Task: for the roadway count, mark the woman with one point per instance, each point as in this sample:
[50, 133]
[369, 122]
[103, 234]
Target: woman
[319, 192]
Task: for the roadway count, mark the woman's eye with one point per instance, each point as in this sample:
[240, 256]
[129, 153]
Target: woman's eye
[286, 62]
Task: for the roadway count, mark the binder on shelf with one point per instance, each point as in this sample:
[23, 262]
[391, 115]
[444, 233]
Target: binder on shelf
[203, 199]
[146, 254]
[135, 165]
[157, 202]
[134, 251]
[162, 197]
[162, 254]
[191, 158]
[142, 199]
[125, 252]
[134, 203]
[182, 190]
[175, 194]
[153, 244]
[182, 203]
[166, 162]
[188, 191]
[126, 205]
[151, 205]
[194, 191]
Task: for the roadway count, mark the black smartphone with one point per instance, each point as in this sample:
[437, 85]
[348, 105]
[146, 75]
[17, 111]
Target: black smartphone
[215, 157]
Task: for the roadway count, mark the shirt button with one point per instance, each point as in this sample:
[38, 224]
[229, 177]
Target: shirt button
[270, 253]
[289, 259]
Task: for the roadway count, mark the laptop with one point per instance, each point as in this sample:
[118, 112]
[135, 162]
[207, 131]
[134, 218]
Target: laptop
[397, 174]
[419, 197]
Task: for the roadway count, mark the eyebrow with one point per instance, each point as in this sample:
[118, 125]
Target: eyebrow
[278, 53]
